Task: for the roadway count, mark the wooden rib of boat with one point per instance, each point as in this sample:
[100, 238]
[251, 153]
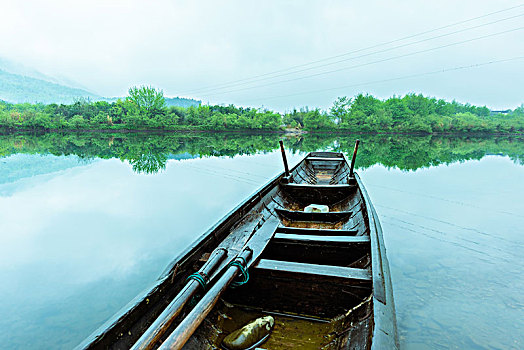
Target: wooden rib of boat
[324, 277]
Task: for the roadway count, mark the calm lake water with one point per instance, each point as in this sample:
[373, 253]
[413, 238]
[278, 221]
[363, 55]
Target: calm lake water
[88, 221]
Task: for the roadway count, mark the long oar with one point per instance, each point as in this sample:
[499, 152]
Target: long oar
[254, 247]
[166, 318]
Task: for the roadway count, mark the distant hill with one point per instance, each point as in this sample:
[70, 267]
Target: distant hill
[17, 88]
[20, 84]
[170, 101]
[182, 102]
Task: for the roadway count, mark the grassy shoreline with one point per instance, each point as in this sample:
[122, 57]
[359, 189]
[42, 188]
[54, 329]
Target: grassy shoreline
[6, 131]
[145, 111]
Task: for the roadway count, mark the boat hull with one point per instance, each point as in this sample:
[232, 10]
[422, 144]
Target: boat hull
[324, 273]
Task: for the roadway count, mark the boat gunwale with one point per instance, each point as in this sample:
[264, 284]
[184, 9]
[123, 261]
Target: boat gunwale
[385, 334]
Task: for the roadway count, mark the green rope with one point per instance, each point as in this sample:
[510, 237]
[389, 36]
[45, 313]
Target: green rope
[199, 278]
[243, 272]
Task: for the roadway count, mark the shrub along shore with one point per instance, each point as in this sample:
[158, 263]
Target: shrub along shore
[145, 109]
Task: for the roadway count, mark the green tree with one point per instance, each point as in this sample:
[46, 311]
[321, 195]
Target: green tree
[295, 118]
[340, 109]
[78, 122]
[314, 120]
[148, 100]
[366, 104]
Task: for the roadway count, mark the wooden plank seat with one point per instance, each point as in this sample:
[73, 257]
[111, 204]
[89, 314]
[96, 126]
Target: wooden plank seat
[338, 272]
[330, 217]
[318, 194]
[324, 159]
[317, 249]
[322, 239]
[337, 187]
[315, 231]
[326, 155]
[303, 288]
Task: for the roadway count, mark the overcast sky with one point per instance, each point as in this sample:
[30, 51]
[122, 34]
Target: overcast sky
[181, 46]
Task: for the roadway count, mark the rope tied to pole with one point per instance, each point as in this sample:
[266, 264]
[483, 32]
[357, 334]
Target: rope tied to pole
[200, 277]
[240, 262]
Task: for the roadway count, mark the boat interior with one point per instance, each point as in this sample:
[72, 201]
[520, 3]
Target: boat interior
[314, 274]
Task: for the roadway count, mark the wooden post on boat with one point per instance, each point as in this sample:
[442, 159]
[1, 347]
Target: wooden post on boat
[353, 159]
[286, 168]
[187, 327]
[161, 325]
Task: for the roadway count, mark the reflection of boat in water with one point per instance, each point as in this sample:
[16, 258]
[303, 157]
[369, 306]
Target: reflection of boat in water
[320, 271]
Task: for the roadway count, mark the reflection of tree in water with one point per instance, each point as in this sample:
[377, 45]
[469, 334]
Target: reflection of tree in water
[149, 163]
[148, 153]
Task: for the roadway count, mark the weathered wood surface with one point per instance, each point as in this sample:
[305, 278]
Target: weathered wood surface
[315, 231]
[311, 295]
[324, 159]
[330, 217]
[322, 239]
[322, 253]
[318, 194]
[354, 158]
[284, 159]
[312, 269]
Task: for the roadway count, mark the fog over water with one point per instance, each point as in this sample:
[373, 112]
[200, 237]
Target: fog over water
[183, 47]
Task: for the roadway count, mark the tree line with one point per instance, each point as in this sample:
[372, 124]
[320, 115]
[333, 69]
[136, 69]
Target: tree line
[145, 109]
[411, 113]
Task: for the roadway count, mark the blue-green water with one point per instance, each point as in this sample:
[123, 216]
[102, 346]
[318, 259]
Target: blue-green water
[82, 231]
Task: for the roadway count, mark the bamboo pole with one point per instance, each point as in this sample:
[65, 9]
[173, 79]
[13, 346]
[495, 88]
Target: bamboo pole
[187, 327]
[148, 340]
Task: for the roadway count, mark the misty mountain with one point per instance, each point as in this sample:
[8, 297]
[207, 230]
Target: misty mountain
[17, 88]
[20, 69]
[170, 101]
[182, 102]
[20, 84]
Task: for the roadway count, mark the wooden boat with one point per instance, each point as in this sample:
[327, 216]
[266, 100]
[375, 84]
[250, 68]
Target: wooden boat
[323, 276]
